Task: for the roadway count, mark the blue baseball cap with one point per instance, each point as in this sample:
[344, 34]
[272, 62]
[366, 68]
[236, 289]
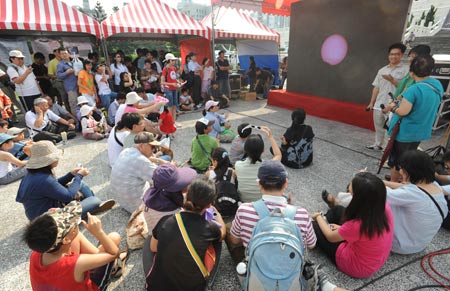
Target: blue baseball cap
[5, 137]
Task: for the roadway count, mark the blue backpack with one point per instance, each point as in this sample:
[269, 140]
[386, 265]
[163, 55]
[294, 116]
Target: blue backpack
[275, 252]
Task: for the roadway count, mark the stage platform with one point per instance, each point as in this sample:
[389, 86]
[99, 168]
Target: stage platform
[346, 112]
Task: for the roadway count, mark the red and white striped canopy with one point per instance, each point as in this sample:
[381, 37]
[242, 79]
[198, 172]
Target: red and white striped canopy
[45, 15]
[233, 23]
[152, 16]
[278, 7]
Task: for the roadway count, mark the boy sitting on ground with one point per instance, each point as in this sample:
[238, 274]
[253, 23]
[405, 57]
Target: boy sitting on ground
[63, 258]
[202, 145]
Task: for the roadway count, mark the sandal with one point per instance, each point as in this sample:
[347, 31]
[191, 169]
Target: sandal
[120, 264]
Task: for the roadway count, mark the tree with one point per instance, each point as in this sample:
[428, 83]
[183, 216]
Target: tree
[430, 16]
[115, 9]
[99, 13]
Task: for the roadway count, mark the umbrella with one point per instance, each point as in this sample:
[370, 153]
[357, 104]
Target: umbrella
[389, 146]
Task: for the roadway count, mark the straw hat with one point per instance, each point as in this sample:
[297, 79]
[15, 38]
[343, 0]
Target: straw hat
[43, 153]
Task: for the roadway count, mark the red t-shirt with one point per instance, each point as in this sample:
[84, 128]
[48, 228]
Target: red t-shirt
[171, 77]
[361, 256]
[58, 275]
[167, 123]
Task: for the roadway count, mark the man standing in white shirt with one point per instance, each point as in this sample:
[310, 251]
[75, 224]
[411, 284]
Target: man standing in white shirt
[23, 77]
[386, 82]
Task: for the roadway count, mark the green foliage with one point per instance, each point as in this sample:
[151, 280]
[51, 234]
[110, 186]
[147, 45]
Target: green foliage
[430, 16]
[115, 9]
[410, 20]
[99, 13]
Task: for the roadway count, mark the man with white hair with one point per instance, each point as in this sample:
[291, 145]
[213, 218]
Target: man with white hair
[23, 77]
[41, 121]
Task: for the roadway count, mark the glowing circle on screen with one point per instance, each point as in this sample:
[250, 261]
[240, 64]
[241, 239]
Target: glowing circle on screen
[334, 49]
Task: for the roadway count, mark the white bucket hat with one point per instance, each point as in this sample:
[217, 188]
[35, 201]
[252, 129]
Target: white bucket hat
[43, 154]
[85, 109]
[81, 99]
[132, 98]
[170, 56]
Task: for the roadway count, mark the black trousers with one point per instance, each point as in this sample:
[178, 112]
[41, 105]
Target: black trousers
[334, 215]
[197, 89]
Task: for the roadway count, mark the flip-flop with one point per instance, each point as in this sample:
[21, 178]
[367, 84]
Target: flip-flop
[120, 264]
[325, 194]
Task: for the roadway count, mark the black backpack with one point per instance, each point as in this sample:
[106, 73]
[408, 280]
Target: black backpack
[228, 198]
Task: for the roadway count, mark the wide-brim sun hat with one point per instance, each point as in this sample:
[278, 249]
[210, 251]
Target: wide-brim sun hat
[132, 98]
[172, 179]
[43, 154]
[81, 100]
[85, 110]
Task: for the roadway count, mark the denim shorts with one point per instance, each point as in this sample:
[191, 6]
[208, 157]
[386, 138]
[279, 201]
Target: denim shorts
[172, 95]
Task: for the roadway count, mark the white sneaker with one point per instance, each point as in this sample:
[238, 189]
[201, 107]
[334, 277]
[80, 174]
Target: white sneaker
[177, 125]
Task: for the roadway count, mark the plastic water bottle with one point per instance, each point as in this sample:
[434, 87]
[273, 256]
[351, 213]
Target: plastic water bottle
[64, 137]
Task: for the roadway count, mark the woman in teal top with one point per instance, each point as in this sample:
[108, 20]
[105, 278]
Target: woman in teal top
[417, 110]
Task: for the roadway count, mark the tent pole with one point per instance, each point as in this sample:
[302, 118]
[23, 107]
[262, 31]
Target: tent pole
[213, 34]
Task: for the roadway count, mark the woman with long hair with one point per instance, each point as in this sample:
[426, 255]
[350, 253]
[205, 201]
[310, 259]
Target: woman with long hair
[247, 170]
[168, 263]
[221, 166]
[297, 142]
[358, 239]
[118, 67]
[208, 76]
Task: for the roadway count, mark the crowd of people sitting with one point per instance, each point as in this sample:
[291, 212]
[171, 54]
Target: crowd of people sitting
[183, 203]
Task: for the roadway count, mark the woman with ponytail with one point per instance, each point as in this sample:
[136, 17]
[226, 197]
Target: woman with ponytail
[297, 142]
[168, 263]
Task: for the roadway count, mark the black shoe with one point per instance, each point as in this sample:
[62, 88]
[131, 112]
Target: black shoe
[104, 206]
[325, 195]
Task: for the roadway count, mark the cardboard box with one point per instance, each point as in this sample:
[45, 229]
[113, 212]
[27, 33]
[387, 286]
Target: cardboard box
[248, 96]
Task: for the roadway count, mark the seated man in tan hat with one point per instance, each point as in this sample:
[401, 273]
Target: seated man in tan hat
[63, 258]
[133, 169]
[40, 190]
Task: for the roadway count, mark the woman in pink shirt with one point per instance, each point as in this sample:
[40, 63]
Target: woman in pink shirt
[359, 238]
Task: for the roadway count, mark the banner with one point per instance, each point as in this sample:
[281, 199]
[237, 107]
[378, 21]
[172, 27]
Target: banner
[264, 52]
[82, 44]
[45, 46]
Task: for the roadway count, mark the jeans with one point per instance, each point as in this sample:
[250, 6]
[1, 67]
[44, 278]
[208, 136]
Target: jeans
[90, 202]
[107, 99]
[224, 86]
[13, 175]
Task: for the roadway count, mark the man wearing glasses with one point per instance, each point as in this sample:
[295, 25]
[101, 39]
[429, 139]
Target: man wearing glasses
[23, 77]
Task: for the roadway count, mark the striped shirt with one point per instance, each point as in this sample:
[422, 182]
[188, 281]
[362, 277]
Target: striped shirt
[246, 219]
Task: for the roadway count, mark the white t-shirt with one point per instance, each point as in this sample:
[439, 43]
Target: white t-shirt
[103, 87]
[114, 148]
[119, 113]
[29, 86]
[207, 72]
[30, 118]
[116, 71]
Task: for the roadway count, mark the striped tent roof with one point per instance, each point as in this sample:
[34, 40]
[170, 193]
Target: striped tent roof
[278, 7]
[45, 15]
[233, 23]
[152, 16]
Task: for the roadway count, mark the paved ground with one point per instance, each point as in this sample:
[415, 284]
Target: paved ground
[339, 152]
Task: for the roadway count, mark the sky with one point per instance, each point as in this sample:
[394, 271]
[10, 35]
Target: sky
[109, 4]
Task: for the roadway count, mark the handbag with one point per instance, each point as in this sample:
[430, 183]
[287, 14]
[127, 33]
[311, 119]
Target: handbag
[209, 260]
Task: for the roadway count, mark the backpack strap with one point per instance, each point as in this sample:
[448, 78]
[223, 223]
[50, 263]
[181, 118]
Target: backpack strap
[261, 208]
[290, 211]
